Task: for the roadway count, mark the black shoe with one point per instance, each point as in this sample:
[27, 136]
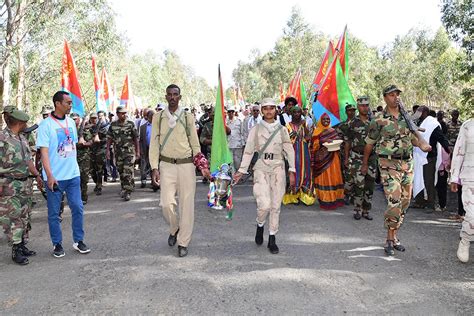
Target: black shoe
[99, 191]
[357, 216]
[172, 239]
[17, 255]
[126, 196]
[259, 235]
[367, 216]
[26, 252]
[389, 249]
[156, 188]
[114, 179]
[182, 251]
[143, 185]
[272, 245]
[95, 189]
[58, 251]
[347, 200]
[84, 202]
[81, 247]
[398, 246]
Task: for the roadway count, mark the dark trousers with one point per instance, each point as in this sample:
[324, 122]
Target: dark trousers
[442, 188]
[461, 210]
[429, 178]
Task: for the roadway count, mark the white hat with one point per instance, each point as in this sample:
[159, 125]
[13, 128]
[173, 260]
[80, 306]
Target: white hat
[268, 102]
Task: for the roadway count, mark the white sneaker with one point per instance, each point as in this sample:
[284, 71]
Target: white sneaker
[463, 250]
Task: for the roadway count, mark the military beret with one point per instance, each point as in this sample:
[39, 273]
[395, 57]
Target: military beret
[390, 89]
[19, 115]
[363, 100]
[9, 109]
[74, 115]
[93, 115]
[121, 109]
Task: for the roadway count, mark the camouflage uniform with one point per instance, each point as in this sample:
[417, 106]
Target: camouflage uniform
[207, 133]
[84, 160]
[15, 200]
[342, 129]
[363, 184]
[453, 132]
[98, 155]
[124, 136]
[394, 147]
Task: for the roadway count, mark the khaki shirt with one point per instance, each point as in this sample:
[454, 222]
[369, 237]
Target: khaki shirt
[177, 146]
[279, 148]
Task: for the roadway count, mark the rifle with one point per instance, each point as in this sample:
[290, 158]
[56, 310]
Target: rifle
[412, 127]
[30, 129]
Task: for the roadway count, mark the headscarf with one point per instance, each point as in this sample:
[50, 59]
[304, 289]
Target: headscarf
[320, 127]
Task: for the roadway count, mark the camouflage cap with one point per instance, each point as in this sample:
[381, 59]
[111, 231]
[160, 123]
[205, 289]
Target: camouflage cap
[390, 88]
[349, 107]
[363, 100]
[74, 115]
[93, 115]
[9, 109]
[121, 109]
[19, 115]
[268, 102]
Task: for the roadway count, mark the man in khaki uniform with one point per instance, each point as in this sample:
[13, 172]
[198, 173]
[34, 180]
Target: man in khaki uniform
[273, 143]
[174, 154]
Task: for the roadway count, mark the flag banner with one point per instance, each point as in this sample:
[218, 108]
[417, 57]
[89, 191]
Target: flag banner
[327, 59]
[343, 53]
[126, 98]
[104, 79]
[334, 94]
[99, 92]
[220, 153]
[70, 83]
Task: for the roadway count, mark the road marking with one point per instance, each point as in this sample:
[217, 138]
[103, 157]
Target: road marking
[369, 248]
[389, 258]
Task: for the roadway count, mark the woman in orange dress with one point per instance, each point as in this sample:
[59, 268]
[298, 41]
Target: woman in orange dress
[326, 166]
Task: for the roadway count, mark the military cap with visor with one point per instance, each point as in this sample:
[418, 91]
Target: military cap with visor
[364, 100]
[391, 88]
[9, 109]
[121, 109]
[19, 115]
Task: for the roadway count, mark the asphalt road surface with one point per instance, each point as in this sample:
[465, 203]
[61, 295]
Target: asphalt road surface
[328, 263]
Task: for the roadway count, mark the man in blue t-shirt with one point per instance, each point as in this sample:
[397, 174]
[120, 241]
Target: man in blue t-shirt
[57, 138]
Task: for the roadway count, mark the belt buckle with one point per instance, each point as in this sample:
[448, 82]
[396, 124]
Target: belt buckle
[175, 161]
[389, 157]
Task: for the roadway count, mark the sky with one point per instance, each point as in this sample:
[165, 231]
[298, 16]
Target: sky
[205, 33]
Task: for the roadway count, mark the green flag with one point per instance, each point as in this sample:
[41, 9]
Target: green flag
[220, 152]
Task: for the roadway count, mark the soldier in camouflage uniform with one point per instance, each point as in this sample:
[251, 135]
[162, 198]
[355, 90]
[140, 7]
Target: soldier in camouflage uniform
[206, 134]
[123, 134]
[393, 142]
[354, 144]
[98, 151]
[16, 165]
[342, 130]
[83, 153]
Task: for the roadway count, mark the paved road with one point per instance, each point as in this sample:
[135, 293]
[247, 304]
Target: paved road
[328, 264]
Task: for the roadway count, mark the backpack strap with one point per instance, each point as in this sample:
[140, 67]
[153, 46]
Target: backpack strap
[269, 140]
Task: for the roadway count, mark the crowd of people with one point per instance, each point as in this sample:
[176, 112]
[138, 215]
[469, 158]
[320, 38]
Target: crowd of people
[293, 158]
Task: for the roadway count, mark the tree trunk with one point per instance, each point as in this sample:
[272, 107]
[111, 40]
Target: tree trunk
[21, 58]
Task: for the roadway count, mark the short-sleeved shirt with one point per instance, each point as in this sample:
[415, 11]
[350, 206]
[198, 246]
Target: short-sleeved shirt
[391, 135]
[60, 137]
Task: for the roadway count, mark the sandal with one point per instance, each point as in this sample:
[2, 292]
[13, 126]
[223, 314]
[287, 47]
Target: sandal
[389, 248]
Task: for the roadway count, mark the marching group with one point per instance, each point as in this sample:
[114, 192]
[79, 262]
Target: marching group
[293, 158]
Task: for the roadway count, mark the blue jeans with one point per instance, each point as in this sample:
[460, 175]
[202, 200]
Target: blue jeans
[72, 188]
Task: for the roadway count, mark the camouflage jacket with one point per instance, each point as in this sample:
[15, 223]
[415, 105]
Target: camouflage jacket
[207, 133]
[357, 131]
[101, 129]
[453, 131]
[88, 136]
[14, 157]
[390, 135]
[123, 136]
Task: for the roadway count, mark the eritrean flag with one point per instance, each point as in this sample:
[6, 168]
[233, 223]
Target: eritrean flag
[69, 82]
[106, 88]
[297, 90]
[343, 53]
[327, 59]
[127, 98]
[99, 92]
[334, 94]
[220, 152]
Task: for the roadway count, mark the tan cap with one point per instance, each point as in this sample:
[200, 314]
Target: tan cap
[268, 102]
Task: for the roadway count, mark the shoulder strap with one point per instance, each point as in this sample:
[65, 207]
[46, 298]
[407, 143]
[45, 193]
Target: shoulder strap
[169, 133]
[261, 151]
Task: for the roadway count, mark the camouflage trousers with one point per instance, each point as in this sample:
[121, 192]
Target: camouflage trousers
[15, 214]
[348, 177]
[85, 169]
[363, 188]
[125, 165]
[97, 166]
[397, 178]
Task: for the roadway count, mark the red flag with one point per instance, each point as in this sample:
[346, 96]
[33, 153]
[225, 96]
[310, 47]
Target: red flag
[294, 89]
[282, 95]
[126, 98]
[69, 82]
[99, 92]
[343, 53]
[327, 59]
[104, 79]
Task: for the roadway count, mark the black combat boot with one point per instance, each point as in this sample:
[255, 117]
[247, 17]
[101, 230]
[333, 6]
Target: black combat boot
[17, 255]
[259, 235]
[26, 252]
[272, 245]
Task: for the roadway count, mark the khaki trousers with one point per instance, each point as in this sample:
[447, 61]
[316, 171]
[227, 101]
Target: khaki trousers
[467, 230]
[268, 190]
[181, 180]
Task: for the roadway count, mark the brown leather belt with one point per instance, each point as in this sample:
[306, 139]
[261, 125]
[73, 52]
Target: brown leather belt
[176, 161]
